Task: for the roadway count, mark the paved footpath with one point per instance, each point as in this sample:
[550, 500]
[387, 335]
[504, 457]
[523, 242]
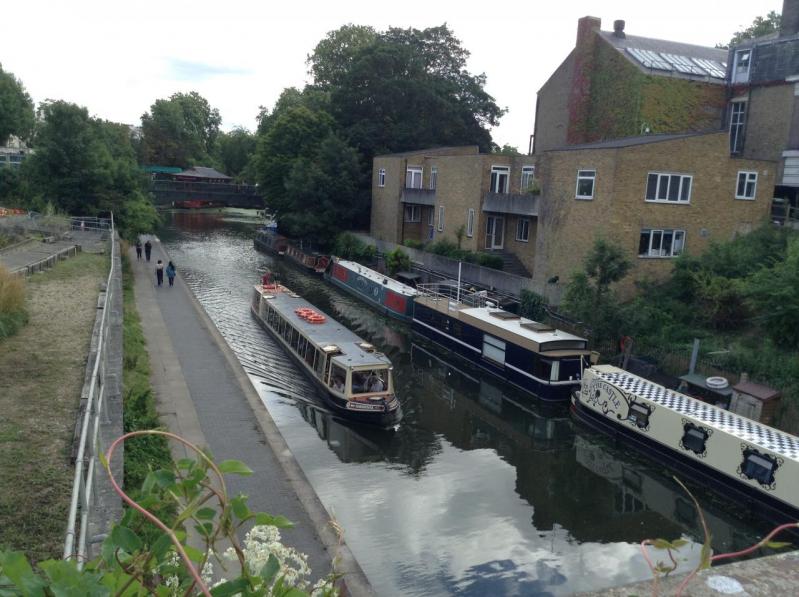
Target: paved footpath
[205, 396]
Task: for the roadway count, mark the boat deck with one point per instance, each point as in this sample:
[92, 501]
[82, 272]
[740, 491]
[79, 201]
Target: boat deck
[377, 277]
[717, 418]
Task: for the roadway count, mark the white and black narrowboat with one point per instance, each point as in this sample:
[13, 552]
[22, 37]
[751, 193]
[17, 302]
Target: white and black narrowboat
[531, 355]
[385, 294]
[356, 380]
[731, 454]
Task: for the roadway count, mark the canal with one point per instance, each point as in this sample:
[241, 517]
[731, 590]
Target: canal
[479, 491]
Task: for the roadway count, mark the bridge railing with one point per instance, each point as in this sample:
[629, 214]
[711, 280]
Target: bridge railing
[206, 188]
[75, 543]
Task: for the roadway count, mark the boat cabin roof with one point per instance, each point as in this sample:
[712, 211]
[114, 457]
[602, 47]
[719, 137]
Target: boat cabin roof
[355, 352]
[377, 277]
[745, 429]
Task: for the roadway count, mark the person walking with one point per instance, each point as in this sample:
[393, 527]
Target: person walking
[170, 273]
[159, 272]
[138, 249]
[148, 248]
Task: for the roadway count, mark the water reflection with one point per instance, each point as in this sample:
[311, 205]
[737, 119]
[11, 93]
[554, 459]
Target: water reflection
[479, 491]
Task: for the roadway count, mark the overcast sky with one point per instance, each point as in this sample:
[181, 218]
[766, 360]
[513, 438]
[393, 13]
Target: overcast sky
[116, 57]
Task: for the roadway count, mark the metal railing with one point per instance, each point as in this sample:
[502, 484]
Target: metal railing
[90, 224]
[86, 459]
[465, 295]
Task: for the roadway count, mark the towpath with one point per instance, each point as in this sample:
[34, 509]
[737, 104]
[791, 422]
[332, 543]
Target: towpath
[205, 396]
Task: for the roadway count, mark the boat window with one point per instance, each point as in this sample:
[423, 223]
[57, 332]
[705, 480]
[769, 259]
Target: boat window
[370, 382]
[494, 349]
[542, 368]
[759, 467]
[555, 371]
[639, 414]
[319, 363]
[338, 376]
[694, 438]
[570, 369]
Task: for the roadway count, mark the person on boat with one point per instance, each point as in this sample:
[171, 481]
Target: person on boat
[159, 272]
[338, 384]
[375, 384]
[171, 273]
[358, 382]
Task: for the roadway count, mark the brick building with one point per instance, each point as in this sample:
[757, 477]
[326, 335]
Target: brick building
[657, 196]
[428, 195]
[614, 85]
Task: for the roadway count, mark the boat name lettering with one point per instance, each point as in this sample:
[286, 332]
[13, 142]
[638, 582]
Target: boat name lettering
[605, 396]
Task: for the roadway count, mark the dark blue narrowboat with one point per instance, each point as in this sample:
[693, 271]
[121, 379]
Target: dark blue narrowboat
[536, 357]
[385, 294]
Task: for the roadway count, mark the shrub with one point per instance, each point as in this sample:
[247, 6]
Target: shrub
[350, 247]
[444, 247]
[12, 303]
[533, 305]
[412, 243]
[489, 260]
[397, 261]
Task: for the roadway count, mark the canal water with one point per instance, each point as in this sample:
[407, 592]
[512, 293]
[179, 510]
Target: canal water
[479, 491]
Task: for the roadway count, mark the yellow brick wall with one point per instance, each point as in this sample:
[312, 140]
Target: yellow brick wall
[618, 212]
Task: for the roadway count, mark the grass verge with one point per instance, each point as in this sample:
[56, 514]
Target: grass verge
[13, 314]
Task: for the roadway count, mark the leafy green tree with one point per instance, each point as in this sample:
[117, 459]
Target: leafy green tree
[760, 26]
[532, 305]
[397, 261]
[180, 131]
[236, 149]
[335, 54]
[773, 292]
[506, 150]
[16, 108]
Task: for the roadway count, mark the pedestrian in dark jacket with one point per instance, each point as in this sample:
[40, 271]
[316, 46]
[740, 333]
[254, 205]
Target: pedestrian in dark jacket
[138, 249]
[148, 248]
[170, 273]
[159, 272]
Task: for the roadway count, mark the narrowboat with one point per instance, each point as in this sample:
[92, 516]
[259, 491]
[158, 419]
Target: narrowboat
[536, 357]
[385, 294]
[267, 239]
[312, 261]
[733, 455]
[355, 379]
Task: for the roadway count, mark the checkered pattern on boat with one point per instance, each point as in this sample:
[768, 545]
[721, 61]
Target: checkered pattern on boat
[741, 427]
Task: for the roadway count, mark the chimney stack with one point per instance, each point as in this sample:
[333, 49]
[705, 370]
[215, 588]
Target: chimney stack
[790, 18]
[618, 28]
[585, 29]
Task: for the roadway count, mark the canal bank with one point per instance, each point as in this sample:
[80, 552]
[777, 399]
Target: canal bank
[205, 396]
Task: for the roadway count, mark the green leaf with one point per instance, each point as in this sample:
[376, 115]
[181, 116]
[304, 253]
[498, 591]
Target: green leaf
[205, 529]
[778, 544]
[185, 464]
[280, 522]
[678, 543]
[16, 567]
[195, 555]
[205, 513]
[149, 483]
[164, 478]
[231, 587]
[235, 467]
[67, 581]
[161, 546]
[125, 539]
[660, 544]
[239, 506]
[271, 568]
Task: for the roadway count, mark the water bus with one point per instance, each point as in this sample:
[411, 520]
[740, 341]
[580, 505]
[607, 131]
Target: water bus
[386, 294]
[531, 355]
[356, 380]
[734, 455]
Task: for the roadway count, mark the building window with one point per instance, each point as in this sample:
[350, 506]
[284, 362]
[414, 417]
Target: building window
[737, 122]
[413, 213]
[381, 177]
[740, 71]
[523, 230]
[585, 184]
[413, 178]
[500, 175]
[431, 216]
[668, 188]
[470, 223]
[433, 178]
[661, 243]
[440, 218]
[528, 175]
[747, 185]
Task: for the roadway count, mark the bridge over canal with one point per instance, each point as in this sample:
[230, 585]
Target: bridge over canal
[176, 193]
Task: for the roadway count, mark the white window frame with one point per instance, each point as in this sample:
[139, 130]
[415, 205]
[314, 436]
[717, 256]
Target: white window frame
[740, 73]
[585, 174]
[655, 250]
[381, 177]
[470, 223]
[494, 349]
[433, 178]
[737, 125]
[413, 171]
[415, 212]
[519, 227]
[501, 172]
[747, 178]
[441, 218]
[528, 176]
[667, 178]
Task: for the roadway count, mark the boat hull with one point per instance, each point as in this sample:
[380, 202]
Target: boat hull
[381, 298]
[546, 392]
[337, 405]
[757, 502]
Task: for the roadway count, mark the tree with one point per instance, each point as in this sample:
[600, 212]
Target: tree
[334, 55]
[16, 108]
[760, 26]
[773, 292]
[180, 131]
[236, 148]
[506, 150]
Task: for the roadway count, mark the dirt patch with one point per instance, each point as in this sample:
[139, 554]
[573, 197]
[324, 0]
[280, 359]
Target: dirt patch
[41, 374]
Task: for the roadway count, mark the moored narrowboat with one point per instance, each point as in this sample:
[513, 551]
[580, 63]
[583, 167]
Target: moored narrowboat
[267, 239]
[385, 294]
[733, 455]
[536, 357]
[356, 380]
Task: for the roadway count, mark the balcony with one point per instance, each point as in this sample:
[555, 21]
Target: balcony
[516, 204]
[419, 196]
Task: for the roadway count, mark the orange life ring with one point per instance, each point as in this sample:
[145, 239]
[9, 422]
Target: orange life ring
[316, 318]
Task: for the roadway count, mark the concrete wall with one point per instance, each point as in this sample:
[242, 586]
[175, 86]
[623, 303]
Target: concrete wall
[568, 227]
[767, 122]
[552, 108]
